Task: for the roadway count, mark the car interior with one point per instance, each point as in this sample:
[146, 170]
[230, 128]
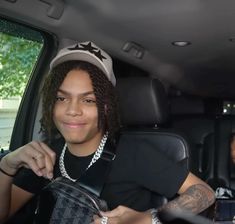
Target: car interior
[174, 64]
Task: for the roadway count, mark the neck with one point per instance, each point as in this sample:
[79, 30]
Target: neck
[85, 148]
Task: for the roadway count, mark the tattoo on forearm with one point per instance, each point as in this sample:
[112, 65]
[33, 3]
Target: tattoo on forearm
[196, 199]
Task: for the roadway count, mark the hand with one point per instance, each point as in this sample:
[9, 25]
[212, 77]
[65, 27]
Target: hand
[124, 215]
[35, 155]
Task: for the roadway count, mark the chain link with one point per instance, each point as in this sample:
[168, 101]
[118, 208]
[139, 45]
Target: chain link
[95, 157]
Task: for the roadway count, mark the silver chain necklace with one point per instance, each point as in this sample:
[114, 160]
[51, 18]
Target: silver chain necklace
[95, 157]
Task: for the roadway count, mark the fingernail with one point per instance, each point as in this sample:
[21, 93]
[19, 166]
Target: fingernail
[50, 175]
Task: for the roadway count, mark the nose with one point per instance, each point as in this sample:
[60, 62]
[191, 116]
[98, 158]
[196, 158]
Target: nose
[74, 108]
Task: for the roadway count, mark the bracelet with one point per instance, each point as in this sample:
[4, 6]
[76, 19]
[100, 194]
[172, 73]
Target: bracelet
[9, 175]
[155, 219]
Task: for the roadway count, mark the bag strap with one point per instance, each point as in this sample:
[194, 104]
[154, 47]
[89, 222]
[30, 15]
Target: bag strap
[94, 178]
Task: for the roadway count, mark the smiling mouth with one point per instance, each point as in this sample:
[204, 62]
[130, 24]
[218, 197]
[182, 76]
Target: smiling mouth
[74, 125]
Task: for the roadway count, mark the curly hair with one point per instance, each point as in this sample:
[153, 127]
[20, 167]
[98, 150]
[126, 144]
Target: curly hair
[105, 93]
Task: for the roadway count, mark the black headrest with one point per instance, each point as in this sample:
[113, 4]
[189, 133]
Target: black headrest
[143, 101]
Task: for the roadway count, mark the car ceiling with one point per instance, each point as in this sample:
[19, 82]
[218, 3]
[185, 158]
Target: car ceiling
[131, 28]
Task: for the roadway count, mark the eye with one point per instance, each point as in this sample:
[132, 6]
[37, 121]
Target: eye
[60, 98]
[89, 101]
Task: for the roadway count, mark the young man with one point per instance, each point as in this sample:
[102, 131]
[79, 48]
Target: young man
[79, 115]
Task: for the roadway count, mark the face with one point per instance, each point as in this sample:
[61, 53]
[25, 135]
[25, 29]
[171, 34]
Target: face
[75, 113]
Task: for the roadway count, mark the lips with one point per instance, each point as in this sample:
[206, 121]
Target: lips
[74, 125]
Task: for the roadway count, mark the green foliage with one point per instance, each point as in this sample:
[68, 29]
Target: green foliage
[17, 59]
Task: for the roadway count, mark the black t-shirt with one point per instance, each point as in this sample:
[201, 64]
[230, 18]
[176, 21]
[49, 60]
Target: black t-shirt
[137, 177]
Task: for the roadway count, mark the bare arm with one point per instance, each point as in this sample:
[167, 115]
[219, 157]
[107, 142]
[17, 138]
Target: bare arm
[35, 156]
[5, 195]
[195, 196]
[12, 198]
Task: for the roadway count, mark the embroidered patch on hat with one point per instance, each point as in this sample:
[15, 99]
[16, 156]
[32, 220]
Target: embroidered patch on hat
[88, 47]
[89, 52]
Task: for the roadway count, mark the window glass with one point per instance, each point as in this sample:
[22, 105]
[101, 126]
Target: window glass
[20, 48]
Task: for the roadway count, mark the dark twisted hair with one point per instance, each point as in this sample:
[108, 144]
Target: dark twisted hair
[105, 93]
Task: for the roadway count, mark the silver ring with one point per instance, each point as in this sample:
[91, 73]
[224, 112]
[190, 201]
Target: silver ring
[104, 220]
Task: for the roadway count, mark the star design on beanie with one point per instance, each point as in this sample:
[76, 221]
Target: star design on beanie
[88, 47]
[99, 55]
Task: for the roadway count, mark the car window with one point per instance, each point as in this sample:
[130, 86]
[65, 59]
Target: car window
[20, 48]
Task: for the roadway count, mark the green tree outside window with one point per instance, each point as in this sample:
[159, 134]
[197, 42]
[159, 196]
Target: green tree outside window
[17, 59]
[20, 48]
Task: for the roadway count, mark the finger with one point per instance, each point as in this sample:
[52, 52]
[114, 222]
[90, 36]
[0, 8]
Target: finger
[25, 157]
[40, 160]
[36, 157]
[49, 151]
[49, 160]
[96, 220]
[113, 220]
[45, 158]
[32, 164]
[39, 167]
[113, 213]
[39, 155]
[36, 150]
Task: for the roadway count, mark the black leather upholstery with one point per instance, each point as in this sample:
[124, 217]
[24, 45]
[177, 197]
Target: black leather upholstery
[209, 137]
[172, 144]
[143, 101]
[144, 107]
[189, 118]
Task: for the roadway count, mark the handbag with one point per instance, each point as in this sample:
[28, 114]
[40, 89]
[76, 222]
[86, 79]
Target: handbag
[68, 202]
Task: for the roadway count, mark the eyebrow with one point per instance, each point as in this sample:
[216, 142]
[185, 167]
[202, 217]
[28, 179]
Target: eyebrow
[81, 94]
